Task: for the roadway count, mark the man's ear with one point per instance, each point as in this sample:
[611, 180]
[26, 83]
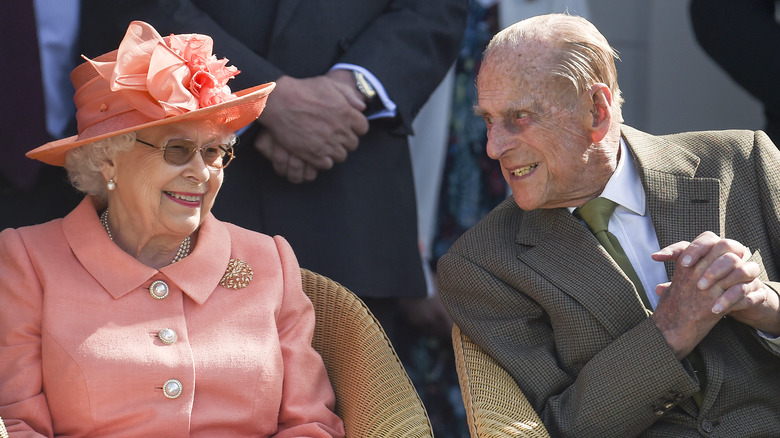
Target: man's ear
[601, 111]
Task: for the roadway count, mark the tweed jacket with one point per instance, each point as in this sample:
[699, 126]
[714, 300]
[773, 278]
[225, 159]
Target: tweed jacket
[80, 353]
[538, 293]
[407, 45]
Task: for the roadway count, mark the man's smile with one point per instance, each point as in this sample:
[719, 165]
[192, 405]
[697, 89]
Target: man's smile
[525, 170]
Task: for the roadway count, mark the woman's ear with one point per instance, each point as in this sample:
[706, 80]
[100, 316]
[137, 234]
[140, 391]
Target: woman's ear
[109, 170]
[601, 111]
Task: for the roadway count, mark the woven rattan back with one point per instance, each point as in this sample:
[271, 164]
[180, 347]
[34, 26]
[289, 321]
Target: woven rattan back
[3, 432]
[374, 395]
[495, 405]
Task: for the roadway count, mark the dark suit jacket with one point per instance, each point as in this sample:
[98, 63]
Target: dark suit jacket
[357, 222]
[537, 291]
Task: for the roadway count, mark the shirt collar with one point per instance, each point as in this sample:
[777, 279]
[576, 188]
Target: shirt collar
[624, 186]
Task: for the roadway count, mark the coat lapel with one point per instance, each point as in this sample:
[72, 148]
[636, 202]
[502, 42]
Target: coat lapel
[284, 11]
[680, 205]
[563, 251]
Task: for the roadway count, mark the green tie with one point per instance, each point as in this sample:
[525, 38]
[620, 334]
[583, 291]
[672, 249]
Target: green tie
[596, 214]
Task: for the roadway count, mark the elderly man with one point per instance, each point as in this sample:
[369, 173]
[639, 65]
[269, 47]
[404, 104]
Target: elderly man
[664, 320]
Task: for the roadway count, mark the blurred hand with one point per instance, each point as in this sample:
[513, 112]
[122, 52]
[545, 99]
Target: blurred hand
[286, 165]
[427, 314]
[712, 278]
[317, 120]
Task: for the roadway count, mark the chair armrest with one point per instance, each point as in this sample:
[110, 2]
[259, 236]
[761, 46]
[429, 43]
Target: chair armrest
[495, 405]
[374, 395]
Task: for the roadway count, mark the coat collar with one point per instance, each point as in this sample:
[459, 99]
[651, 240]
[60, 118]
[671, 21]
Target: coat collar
[681, 205]
[561, 249]
[119, 273]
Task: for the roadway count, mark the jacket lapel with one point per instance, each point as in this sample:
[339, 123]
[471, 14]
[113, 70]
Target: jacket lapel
[680, 205]
[563, 251]
[284, 11]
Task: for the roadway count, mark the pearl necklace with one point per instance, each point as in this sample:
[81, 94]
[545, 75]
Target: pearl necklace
[183, 251]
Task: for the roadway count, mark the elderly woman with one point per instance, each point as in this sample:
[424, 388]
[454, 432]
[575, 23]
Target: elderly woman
[139, 313]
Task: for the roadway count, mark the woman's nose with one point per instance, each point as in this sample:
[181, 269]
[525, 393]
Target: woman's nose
[197, 170]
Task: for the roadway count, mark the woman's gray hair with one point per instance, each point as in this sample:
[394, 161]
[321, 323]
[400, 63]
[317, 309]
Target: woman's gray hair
[85, 163]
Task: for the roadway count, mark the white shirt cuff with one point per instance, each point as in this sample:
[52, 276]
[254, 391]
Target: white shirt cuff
[389, 106]
[773, 342]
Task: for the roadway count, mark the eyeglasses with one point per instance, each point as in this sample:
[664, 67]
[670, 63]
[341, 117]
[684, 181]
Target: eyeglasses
[180, 151]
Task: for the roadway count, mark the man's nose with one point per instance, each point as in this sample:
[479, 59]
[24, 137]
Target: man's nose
[497, 142]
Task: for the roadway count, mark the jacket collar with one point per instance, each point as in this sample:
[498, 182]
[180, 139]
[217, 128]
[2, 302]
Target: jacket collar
[681, 205]
[119, 273]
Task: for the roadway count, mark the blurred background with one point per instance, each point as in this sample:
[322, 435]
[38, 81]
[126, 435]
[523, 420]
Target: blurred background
[668, 81]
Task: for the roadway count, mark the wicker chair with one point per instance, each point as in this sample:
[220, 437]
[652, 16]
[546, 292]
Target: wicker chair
[374, 395]
[3, 432]
[495, 405]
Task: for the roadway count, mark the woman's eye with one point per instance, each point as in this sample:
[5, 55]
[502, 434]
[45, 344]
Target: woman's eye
[213, 152]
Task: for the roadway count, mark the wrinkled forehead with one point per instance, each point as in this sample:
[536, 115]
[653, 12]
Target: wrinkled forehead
[520, 72]
[524, 57]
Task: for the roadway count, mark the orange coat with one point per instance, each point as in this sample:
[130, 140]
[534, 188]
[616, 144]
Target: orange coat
[80, 352]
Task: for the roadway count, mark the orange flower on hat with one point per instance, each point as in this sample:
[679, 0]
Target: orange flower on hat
[163, 78]
[209, 74]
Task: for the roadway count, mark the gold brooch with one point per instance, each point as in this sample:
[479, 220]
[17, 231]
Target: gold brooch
[238, 275]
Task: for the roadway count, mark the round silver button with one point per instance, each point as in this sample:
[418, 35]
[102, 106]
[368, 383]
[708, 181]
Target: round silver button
[172, 388]
[159, 290]
[167, 336]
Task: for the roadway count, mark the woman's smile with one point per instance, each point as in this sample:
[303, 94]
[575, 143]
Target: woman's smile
[187, 199]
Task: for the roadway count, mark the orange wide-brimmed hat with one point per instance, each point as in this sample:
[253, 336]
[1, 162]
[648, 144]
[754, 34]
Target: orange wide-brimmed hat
[151, 81]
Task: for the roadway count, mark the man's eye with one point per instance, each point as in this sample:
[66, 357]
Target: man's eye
[520, 115]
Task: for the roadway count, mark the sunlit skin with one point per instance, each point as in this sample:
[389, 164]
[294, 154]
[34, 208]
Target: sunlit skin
[552, 153]
[145, 217]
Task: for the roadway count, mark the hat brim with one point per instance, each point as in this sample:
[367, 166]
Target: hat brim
[235, 114]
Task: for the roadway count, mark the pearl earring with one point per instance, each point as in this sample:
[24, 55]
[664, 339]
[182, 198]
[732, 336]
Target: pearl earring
[111, 185]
